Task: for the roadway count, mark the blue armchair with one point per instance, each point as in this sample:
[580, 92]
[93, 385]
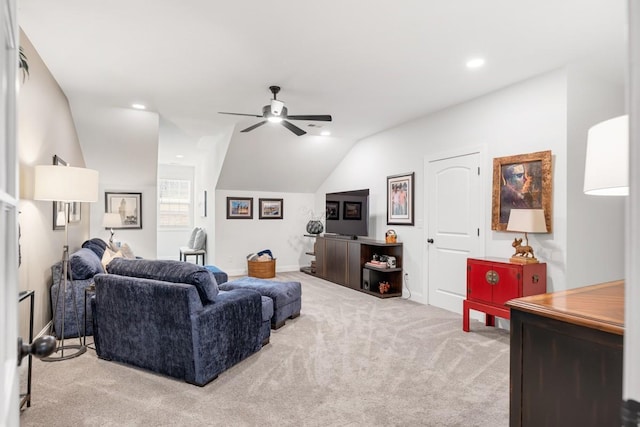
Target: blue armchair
[187, 331]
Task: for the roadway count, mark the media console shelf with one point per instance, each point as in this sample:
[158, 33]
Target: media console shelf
[342, 261]
[310, 269]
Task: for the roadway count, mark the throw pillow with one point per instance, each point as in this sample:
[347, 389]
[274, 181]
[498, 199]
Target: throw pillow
[108, 256]
[126, 251]
[96, 245]
[84, 264]
[169, 271]
[192, 238]
[200, 240]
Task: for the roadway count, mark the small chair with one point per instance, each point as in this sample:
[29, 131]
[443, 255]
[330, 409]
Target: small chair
[196, 245]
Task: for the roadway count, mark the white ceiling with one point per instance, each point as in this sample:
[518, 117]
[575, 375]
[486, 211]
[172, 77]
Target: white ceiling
[370, 64]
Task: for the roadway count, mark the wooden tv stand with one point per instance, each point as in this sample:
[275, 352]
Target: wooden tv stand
[342, 260]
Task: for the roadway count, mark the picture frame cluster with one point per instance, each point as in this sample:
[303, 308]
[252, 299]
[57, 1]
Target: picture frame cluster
[351, 210]
[242, 208]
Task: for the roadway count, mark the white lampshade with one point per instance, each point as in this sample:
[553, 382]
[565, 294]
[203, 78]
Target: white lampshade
[527, 221]
[65, 184]
[606, 171]
[111, 220]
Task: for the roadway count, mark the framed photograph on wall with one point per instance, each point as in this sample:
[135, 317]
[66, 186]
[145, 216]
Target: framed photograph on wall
[352, 210]
[522, 182]
[400, 207]
[127, 205]
[332, 210]
[239, 207]
[74, 214]
[270, 208]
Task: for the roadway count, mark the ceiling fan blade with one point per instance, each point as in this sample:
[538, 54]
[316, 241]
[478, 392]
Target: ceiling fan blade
[250, 128]
[293, 128]
[240, 114]
[321, 118]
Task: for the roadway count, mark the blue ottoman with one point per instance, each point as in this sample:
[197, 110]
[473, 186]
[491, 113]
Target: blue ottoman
[221, 276]
[286, 296]
[267, 314]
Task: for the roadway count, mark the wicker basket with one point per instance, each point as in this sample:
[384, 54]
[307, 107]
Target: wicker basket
[262, 269]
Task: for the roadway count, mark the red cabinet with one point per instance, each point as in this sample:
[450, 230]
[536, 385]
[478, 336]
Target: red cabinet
[491, 282]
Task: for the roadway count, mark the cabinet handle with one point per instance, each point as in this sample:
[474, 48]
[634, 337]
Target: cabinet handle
[492, 277]
[535, 278]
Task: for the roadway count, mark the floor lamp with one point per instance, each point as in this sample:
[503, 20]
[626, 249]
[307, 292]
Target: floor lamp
[66, 185]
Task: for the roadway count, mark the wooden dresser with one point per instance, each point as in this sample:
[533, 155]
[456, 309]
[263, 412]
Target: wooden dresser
[566, 357]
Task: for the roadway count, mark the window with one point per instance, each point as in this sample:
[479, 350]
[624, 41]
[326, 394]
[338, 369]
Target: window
[174, 203]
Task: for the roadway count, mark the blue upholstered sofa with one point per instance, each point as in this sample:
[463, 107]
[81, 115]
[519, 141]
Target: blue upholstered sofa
[170, 318]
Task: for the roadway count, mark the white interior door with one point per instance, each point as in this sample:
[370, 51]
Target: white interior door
[454, 220]
[9, 377]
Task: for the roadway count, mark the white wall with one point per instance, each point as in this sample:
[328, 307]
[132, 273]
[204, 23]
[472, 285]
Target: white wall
[236, 238]
[132, 170]
[526, 117]
[207, 173]
[595, 224]
[45, 129]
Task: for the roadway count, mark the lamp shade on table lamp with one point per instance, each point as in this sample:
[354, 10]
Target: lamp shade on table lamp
[111, 220]
[606, 171]
[65, 184]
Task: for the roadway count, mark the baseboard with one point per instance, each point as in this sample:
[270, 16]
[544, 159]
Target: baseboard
[46, 330]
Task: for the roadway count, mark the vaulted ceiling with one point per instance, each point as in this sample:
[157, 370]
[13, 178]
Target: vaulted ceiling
[372, 65]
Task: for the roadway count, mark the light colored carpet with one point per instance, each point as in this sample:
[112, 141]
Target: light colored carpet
[350, 359]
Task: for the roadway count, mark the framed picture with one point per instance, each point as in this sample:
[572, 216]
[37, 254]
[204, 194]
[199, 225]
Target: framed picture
[239, 207]
[400, 190]
[333, 210]
[521, 182]
[352, 210]
[74, 214]
[127, 205]
[270, 208]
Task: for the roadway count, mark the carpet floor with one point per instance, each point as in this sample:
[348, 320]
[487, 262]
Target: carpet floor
[350, 359]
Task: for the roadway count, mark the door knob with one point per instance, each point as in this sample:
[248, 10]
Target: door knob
[40, 347]
[429, 240]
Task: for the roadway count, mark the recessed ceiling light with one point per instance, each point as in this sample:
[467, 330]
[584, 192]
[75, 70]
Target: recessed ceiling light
[475, 63]
[180, 156]
[325, 133]
[139, 106]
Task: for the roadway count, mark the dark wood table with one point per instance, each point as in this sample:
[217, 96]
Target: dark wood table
[566, 357]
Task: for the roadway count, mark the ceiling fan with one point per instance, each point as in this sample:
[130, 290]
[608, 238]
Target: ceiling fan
[276, 112]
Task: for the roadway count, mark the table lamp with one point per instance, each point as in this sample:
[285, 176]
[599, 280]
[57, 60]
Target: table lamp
[109, 221]
[65, 184]
[525, 221]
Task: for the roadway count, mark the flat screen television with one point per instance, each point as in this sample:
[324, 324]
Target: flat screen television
[347, 213]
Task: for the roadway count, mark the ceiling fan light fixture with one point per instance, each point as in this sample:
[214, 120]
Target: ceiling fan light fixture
[276, 107]
[276, 112]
